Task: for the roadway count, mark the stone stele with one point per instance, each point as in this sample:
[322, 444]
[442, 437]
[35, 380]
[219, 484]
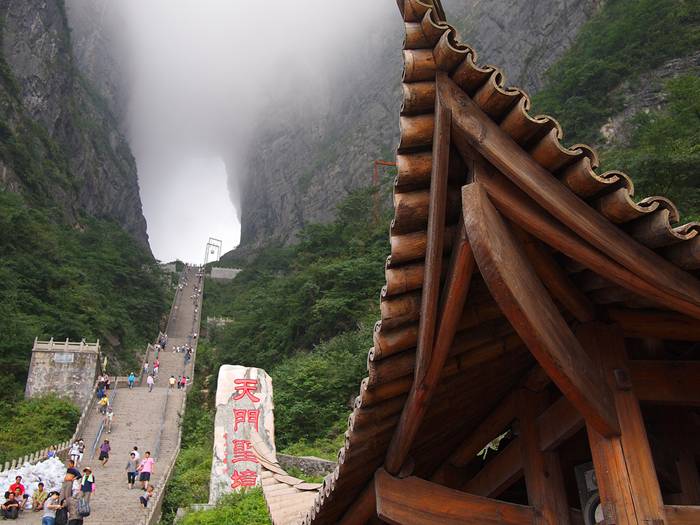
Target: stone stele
[241, 393]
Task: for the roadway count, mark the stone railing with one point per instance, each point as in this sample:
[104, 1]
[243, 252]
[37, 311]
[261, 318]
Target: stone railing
[153, 512]
[61, 448]
[66, 346]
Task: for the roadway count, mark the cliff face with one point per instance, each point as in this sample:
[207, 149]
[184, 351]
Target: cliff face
[302, 164]
[61, 144]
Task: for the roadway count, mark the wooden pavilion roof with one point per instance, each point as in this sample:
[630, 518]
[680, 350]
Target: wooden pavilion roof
[601, 255]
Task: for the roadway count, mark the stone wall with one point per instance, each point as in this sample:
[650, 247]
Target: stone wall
[65, 370]
[309, 465]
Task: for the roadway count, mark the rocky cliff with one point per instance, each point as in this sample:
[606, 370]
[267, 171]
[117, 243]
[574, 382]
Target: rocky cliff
[304, 162]
[60, 143]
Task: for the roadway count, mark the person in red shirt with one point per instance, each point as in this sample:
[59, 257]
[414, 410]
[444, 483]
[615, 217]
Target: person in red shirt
[17, 485]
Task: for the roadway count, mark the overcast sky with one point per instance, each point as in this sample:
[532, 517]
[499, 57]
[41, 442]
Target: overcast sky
[201, 74]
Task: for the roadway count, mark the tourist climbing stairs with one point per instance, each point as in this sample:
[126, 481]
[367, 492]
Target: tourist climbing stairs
[148, 420]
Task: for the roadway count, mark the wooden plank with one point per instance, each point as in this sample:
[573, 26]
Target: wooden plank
[499, 473]
[542, 470]
[626, 459]
[532, 313]
[688, 473]
[682, 515]
[558, 423]
[362, 509]
[432, 351]
[522, 210]
[414, 501]
[510, 159]
[666, 382]
[556, 279]
[495, 423]
[656, 323]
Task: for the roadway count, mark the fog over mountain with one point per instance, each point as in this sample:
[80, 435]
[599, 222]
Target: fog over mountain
[191, 81]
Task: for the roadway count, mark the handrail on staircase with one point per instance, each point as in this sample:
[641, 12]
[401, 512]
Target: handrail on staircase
[102, 423]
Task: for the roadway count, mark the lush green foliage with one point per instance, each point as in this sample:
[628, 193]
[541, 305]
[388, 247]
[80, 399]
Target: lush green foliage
[314, 390]
[663, 154]
[305, 314]
[32, 424]
[245, 508]
[92, 281]
[293, 298]
[626, 38]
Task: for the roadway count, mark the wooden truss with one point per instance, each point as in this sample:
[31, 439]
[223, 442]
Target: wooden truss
[514, 214]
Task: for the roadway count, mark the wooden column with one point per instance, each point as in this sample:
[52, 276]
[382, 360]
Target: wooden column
[629, 488]
[543, 477]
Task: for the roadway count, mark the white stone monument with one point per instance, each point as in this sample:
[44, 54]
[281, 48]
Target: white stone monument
[244, 429]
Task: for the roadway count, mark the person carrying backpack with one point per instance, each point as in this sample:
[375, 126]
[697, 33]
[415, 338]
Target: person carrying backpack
[87, 484]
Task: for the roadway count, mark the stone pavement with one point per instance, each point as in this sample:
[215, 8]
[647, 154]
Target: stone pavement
[149, 420]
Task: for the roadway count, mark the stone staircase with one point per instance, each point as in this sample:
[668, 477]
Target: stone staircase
[149, 420]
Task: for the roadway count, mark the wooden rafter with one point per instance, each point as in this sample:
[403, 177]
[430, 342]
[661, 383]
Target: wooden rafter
[511, 160]
[530, 310]
[437, 326]
[519, 208]
[499, 473]
[555, 278]
[418, 502]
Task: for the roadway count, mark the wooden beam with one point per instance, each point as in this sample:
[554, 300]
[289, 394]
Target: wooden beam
[542, 470]
[414, 501]
[510, 159]
[624, 465]
[558, 423]
[362, 509]
[666, 382]
[682, 514]
[499, 473]
[495, 423]
[657, 324]
[688, 474]
[431, 353]
[556, 279]
[522, 210]
[529, 308]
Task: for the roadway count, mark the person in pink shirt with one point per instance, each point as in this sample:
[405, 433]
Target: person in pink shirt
[145, 469]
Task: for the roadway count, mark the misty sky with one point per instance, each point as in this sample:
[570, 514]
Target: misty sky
[201, 75]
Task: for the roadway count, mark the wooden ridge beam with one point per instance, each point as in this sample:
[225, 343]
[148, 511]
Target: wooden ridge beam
[438, 326]
[666, 382]
[418, 502]
[511, 160]
[532, 313]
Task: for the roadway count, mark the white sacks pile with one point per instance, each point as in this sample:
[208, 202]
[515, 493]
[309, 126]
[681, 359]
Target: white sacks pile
[51, 472]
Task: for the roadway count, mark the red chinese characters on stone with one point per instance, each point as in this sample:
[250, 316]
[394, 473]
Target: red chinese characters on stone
[242, 451]
[246, 388]
[245, 478]
[245, 416]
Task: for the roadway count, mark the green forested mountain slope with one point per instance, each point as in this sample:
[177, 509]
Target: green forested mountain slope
[636, 62]
[74, 255]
